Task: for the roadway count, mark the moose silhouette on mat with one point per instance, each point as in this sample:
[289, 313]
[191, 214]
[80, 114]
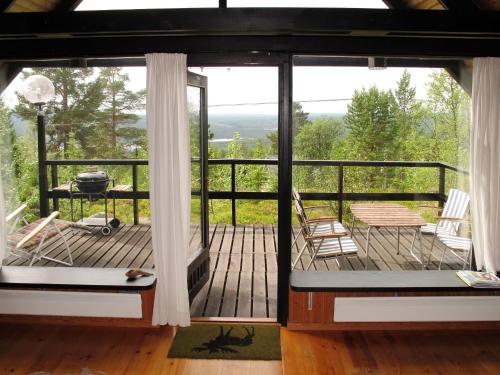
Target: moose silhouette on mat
[222, 342]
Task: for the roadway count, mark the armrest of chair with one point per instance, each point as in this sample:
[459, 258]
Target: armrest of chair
[38, 229]
[321, 219]
[16, 213]
[326, 236]
[325, 206]
[430, 206]
[454, 219]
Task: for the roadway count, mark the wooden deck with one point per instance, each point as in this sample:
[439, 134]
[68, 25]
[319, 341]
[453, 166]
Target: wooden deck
[243, 262]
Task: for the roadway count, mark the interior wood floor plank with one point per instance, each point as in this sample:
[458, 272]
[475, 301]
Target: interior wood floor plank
[115, 351]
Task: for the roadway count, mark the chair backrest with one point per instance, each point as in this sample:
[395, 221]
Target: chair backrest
[457, 205]
[15, 217]
[305, 229]
[302, 218]
[296, 196]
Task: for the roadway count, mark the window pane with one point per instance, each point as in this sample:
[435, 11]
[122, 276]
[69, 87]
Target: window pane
[145, 4]
[307, 3]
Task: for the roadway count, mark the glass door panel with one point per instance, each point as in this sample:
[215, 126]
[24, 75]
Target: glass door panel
[198, 252]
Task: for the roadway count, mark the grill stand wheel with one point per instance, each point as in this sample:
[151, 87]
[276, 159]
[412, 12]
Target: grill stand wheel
[106, 231]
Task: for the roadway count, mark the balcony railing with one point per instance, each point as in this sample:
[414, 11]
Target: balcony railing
[233, 194]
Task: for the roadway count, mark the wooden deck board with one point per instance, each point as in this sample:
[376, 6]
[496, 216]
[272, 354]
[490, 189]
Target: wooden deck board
[243, 261]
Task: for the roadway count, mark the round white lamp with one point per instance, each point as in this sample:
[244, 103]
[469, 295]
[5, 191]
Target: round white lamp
[38, 90]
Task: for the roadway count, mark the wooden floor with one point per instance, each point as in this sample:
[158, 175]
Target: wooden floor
[243, 262]
[39, 349]
[126, 247]
[244, 266]
[243, 280]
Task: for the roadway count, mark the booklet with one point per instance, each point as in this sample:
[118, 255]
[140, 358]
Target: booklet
[479, 279]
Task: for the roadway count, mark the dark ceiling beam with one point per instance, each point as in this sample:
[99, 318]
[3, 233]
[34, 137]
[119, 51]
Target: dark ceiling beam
[246, 59]
[8, 72]
[459, 5]
[67, 5]
[14, 50]
[462, 75]
[5, 4]
[251, 22]
[390, 62]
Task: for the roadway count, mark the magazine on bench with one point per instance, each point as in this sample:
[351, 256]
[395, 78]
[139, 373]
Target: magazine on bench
[479, 279]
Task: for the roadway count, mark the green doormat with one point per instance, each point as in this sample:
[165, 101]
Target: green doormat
[227, 341]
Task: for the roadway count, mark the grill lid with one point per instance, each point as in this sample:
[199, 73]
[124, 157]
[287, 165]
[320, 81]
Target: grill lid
[97, 176]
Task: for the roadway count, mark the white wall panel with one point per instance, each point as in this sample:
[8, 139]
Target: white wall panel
[416, 309]
[59, 303]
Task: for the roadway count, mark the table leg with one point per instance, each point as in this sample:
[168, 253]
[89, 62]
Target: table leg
[398, 240]
[367, 249]
[352, 226]
[421, 248]
[413, 241]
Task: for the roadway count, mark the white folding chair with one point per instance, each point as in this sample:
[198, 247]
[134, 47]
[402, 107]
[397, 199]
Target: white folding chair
[449, 221]
[323, 244]
[455, 243]
[27, 242]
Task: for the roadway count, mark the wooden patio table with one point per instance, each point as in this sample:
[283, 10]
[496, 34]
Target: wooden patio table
[387, 215]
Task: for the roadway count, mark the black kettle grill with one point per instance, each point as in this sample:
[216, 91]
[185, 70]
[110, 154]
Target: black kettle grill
[92, 182]
[93, 185]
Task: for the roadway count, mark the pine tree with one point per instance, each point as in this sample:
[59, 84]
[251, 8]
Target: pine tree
[73, 111]
[119, 103]
[373, 132]
[316, 141]
[7, 144]
[449, 106]
[258, 174]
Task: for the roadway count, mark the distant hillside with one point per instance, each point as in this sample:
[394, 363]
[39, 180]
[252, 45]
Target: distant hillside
[19, 124]
[250, 126]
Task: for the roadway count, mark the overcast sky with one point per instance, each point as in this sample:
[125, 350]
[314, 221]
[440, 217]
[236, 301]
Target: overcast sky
[230, 86]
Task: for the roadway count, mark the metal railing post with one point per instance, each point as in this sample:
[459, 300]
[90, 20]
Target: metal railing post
[55, 183]
[42, 167]
[233, 190]
[340, 191]
[134, 190]
[442, 183]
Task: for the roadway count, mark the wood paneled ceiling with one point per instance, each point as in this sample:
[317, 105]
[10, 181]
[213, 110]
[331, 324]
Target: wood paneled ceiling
[32, 6]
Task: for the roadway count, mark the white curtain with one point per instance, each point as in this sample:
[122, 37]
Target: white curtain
[485, 163]
[3, 225]
[169, 184]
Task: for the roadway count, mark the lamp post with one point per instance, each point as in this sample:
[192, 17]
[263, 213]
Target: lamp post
[38, 90]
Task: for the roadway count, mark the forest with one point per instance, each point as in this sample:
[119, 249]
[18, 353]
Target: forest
[94, 113]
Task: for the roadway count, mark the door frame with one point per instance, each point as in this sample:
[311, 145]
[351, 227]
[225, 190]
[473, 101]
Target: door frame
[284, 64]
[199, 263]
